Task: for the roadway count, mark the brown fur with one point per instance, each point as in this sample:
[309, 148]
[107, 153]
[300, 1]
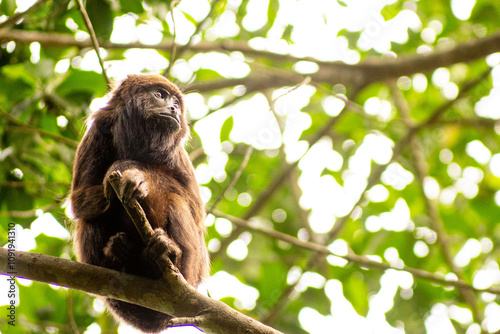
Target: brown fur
[129, 135]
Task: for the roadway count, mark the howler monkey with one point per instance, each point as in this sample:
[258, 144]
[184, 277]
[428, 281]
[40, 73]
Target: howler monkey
[141, 133]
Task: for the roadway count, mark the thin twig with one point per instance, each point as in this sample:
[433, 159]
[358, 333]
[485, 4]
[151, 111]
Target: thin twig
[16, 17]
[29, 213]
[43, 133]
[403, 143]
[93, 37]
[276, 184]
[24, 127]
[304, 82]
[134, 209]
[42, 185]
[292, 176]
[278, 181]
[421, 171]
[225, 105]
[362, 261]
[183, 48]
[174, 44]
[236, 177]
[71, 315]
[198, 28]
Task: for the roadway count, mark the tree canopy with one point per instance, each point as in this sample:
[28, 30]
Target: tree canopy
[348, 152]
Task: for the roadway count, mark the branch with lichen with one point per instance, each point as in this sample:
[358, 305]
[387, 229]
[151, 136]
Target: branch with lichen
[176, 298]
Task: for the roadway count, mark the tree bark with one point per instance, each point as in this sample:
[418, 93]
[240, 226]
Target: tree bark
[179, 300]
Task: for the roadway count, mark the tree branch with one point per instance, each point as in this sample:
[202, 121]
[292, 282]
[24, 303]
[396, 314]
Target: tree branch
[30, 129]
[18, 16]
[373, 178]
[29, 213]
[181, 300]
[235, 179]
[360, 260]
[24, 127]
[421, 172]
[93, 38]
[364, 73]
[178, 287]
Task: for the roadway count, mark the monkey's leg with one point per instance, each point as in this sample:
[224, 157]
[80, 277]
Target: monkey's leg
[90, 239]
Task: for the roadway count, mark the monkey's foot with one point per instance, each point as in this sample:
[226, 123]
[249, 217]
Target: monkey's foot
[161, 245]
[117, 250]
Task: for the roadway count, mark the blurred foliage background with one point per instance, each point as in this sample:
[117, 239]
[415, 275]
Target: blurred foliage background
[369, 127]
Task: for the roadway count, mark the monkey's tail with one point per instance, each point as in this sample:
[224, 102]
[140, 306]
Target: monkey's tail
[142, 318]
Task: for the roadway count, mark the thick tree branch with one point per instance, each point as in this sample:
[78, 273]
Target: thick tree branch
[364, 73]
[181, 301]
[173, 295]
[133, 209]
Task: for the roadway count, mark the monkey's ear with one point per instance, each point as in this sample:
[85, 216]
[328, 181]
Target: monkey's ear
[104, 118]
[123, 104]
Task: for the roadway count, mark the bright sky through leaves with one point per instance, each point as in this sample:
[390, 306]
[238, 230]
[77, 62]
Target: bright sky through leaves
[334, 172]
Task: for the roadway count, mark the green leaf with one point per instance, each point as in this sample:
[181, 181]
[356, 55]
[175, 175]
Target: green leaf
[19, 72]
[226, 129]
[132, 6]
[389, 12]
[206, 74]
[101, 17]
[342, 3]
[190, 18]
[7, 6]
[272, 12]
[82, 81]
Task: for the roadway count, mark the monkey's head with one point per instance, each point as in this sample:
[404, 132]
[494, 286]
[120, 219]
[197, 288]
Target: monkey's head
[152, 97]
[149, 114]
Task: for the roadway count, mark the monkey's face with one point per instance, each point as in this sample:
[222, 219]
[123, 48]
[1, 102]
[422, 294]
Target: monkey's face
[151, 102]
[164, 107]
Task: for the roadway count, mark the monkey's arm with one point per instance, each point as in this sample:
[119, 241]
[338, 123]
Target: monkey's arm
[89, 202]
[92, 160]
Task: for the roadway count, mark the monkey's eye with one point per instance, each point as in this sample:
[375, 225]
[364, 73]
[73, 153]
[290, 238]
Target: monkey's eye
[176, 104]
[159, 95]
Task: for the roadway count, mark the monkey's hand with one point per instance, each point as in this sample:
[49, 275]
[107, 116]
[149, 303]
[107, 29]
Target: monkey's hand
[117, 251]
[133, 185]
[160, 245]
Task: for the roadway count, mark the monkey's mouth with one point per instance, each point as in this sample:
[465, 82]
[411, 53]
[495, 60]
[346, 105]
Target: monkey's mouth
[170, 116]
